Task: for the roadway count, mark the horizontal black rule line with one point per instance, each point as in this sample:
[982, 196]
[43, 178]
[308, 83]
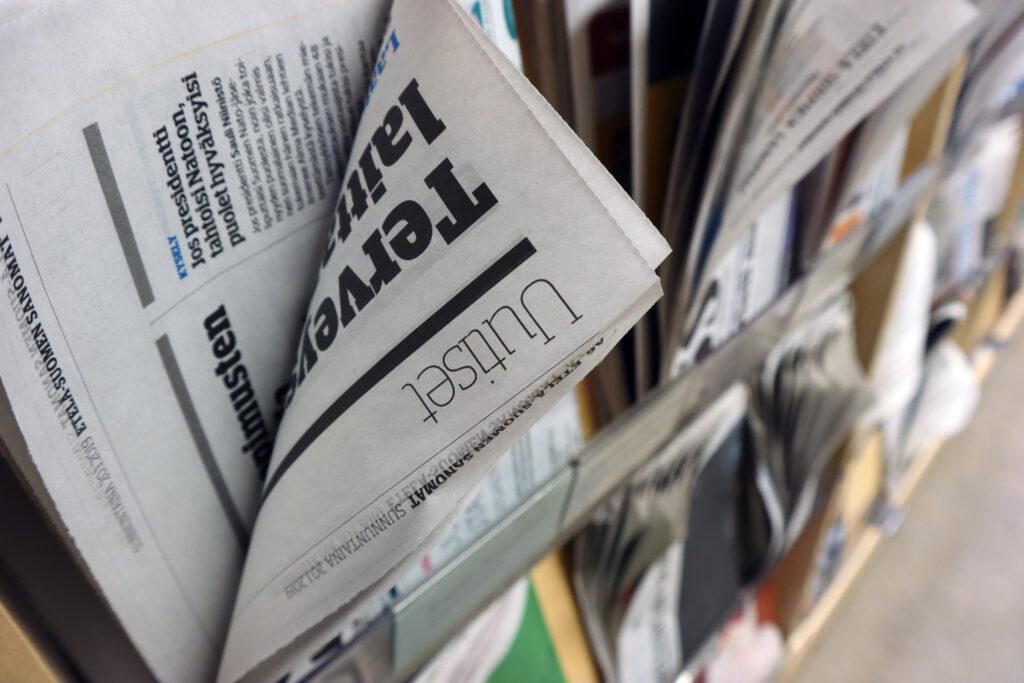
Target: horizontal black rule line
[453, 308]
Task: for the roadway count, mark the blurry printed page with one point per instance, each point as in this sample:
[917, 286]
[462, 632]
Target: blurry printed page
[169, 172]
[834, 61]
[598, 35]
[498, 21]
[481, 263]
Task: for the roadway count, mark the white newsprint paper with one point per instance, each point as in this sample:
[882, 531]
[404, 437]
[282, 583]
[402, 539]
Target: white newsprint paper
[833, 62]
[469, 266]
[216, 214]
[167, 175]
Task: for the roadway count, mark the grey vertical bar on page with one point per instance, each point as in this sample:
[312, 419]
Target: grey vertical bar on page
[105, 174]
[188, 409]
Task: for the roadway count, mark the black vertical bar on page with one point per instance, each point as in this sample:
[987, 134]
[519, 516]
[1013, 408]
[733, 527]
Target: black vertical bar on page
[188, 409]
[453, 308]
[112, 195]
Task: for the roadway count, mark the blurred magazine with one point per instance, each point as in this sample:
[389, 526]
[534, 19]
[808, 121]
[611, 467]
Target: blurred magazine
[807, 398]
[664, 41]
[816, 71]
[650, 518]
[667, 561]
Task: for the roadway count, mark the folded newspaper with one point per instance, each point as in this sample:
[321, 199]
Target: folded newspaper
[354, 226]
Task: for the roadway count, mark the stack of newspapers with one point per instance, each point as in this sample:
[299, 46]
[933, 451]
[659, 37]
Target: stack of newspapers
[666, 561]
[284, 280]
[755, 134]
[299, 297]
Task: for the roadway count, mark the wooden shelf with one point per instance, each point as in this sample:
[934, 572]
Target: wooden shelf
[811, 627]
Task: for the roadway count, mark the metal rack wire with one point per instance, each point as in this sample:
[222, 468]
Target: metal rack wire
[393, 646]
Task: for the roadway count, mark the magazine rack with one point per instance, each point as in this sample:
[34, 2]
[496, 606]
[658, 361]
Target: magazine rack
[394, 645]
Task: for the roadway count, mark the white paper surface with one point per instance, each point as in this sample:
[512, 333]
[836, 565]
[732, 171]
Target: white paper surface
[384, 439]
[746, 282]
[834, 61]
[516, 475]
[949, 396]
[114, 327]
[649, 645]
[162, 223]
[474, 654]
[896, 375]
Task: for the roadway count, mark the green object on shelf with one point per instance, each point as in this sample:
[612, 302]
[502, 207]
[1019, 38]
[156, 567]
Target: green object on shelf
[532, 655]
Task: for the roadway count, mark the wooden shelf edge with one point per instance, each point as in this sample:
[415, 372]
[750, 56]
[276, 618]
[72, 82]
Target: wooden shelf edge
[558, 606]
[23, 656]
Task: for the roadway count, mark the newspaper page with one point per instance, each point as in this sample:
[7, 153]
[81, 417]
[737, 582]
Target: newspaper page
[834, 61]
[518, 473]
[515, 476]
[465, 288]
[709, 148]
[163, 205]
[746, 282]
